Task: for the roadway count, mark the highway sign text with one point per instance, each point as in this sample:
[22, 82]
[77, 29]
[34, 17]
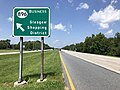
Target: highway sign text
[31, 21]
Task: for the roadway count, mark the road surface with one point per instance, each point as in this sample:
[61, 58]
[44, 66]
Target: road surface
[88, 76]
[108, 62]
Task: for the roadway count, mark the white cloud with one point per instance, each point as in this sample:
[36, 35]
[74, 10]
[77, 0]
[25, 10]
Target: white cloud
[104, 25]
[106, 16]
[54, 42]
[60, 26]
[70, 1]
[113, 1]
[109, 32]
[10, 19]
[70, 27]
[68, 32]
[57, 5]
[82, 6]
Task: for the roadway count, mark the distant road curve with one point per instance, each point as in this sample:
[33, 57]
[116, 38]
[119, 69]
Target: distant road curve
[19, 52]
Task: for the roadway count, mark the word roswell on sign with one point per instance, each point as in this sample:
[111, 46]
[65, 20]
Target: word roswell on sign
[31, 21]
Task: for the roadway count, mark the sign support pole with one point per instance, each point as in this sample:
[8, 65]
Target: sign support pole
[20, 80]
[21, 59]
[42, 59]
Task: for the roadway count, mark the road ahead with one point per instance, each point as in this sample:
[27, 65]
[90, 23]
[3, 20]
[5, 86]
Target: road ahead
[88, 76]
[19, 52]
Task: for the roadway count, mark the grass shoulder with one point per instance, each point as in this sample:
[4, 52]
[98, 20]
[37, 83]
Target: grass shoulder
[31, 71]
[8, 50]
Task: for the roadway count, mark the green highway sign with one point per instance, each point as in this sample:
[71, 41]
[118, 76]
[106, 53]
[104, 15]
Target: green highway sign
[31, 21]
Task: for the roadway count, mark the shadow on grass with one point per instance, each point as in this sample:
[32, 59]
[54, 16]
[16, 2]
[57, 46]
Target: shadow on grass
[27, 77]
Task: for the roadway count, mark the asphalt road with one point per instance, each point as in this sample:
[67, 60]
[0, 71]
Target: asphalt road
[88, 76]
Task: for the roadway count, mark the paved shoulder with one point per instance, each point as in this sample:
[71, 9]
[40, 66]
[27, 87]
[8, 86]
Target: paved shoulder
[111, 63]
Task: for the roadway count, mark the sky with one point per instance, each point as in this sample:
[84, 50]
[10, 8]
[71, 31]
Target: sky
[71, 20]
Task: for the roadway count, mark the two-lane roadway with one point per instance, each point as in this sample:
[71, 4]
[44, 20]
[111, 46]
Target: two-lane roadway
[88, 76]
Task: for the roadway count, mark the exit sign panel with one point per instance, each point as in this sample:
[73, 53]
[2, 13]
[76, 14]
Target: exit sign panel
[31, 21]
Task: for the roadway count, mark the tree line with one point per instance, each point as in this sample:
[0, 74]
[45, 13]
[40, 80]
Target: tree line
[98, 44]
[27, 45]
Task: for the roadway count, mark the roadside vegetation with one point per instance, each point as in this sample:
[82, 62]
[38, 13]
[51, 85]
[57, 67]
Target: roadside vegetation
[31, 71]
[27, 45]
[98, 44]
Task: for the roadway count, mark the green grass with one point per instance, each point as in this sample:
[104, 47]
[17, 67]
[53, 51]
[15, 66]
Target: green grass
[31, 71]
[5, 51]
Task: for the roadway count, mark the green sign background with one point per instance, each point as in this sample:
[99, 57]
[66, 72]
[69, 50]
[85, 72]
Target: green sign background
[39, 14]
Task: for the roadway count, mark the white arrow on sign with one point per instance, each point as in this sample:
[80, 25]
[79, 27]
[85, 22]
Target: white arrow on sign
[19, 26]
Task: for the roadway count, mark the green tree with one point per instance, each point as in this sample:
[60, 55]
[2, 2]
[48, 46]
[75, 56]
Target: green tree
[79, 47]
[37, 45]
[8, 43]
[87, 45]
[3, 45]
[117, 44]
[99, 44]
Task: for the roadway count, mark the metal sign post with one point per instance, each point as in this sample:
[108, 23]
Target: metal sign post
[20, 80]
[42, 59]
[21, 59]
